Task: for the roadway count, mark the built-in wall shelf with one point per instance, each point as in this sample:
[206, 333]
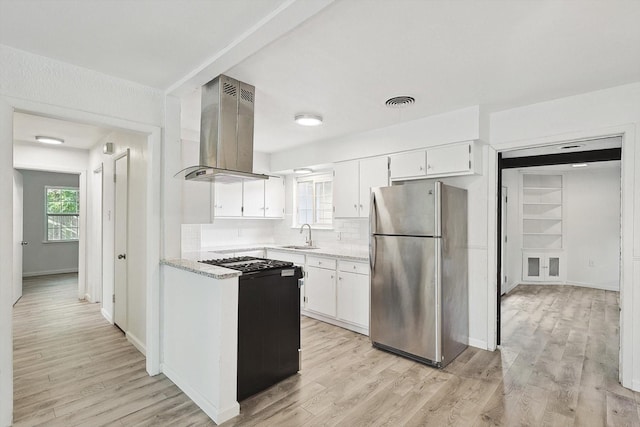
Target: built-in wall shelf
[541, 211]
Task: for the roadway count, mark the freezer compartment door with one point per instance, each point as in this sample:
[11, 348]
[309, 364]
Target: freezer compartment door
[405, 295]
[410, 209]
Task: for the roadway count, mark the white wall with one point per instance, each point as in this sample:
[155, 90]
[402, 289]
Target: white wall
[511, 180]
[136, 253]
[459, 125]
[37, 84]
[38, 257]
[592, 227]
[614, 111]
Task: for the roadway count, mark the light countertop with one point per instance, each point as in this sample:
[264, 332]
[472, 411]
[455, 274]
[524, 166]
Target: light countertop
[189, 260]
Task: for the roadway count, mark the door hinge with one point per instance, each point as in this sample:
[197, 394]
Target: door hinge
[506, 199]
[505, 239]
[469, 164]
[334, 209]
[114, 177]
[469, 148]
[113, 298]
[305, 299]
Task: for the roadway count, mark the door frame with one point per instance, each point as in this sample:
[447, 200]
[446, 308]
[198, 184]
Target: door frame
[628, 154]
[153, 231]
[123, 155]
[18, 251]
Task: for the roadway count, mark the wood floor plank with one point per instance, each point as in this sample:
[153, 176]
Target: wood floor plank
[557, 366]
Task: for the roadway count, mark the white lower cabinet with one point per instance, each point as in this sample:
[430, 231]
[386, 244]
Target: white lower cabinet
[320, 290]
[542, 267]
[353, 293]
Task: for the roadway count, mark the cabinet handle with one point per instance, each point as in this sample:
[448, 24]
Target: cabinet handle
[355, 206]
[421, 168]
[354, 267]
[332, 276]
[360, 206]
[339, 277]
[428, 166]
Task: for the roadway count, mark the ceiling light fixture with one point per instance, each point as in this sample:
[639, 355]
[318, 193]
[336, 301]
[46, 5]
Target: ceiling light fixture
[579, 165]
[49, 140]
[308, 119]
[302, 171]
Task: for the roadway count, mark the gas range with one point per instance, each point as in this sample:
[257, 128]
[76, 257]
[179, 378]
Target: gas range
[247, 264]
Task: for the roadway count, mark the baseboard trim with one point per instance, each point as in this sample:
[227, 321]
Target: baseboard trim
[49, 272]
[106, 315]
[473, 342]
[137, 343]
[335, 322]
[217, 415]
[595, 286]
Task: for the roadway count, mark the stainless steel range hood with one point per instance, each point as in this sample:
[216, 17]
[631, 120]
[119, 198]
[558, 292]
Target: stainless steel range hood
[226, 133]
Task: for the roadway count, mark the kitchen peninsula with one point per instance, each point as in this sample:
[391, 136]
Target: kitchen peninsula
[200, 311]
[200, 334]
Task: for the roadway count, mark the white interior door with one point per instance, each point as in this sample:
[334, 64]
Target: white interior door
[503, 234]
[121, 176]
[18, 243]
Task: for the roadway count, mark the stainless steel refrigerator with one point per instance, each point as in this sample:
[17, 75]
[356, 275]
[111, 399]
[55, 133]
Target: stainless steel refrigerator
[419, 271]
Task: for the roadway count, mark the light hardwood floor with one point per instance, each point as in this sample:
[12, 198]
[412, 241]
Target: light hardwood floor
[557, 366]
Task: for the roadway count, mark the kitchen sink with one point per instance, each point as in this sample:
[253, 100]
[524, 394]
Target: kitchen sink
[299, 247]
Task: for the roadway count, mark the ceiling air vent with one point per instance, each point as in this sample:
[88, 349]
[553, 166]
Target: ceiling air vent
[570, 146]
[400, 101]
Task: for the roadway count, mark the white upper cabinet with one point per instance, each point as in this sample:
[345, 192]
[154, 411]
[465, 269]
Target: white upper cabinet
[374, 172]
[250, 199]
[346, 189]
[451, 159]
[352, 184]
[464, 158]
[227, 199]
[253, 198]
[274, 197]
[408, 165]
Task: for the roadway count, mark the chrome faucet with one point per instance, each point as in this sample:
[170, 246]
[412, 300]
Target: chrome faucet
[308, 240]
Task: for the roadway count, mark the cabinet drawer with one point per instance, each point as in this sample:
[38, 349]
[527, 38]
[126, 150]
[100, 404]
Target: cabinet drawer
[353, 267]
[328, 263]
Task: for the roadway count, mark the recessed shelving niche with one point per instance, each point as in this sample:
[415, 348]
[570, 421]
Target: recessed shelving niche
[541, 211]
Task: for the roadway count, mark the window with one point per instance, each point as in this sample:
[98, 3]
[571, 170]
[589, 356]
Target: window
[62, 212]
[314, 200]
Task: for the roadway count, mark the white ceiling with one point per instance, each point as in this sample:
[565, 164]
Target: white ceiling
[348, 58]
[75, 135]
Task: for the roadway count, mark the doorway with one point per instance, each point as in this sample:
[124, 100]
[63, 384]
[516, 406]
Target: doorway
[539, 157]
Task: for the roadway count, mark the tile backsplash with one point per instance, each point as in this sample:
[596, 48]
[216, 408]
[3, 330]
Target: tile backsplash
[228, 232]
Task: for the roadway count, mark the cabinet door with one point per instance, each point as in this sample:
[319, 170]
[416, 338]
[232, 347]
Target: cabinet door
[320, 291]
[353, 298]
[552, 269]
[253, 198]
[449, 159]
[274, 197]
[228, 199]
[373, 173]
[408, 165]
[533, 267]
[346, 190]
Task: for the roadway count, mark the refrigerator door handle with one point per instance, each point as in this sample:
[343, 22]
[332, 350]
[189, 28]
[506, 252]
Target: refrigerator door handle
[373, 213]
[372, 253]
